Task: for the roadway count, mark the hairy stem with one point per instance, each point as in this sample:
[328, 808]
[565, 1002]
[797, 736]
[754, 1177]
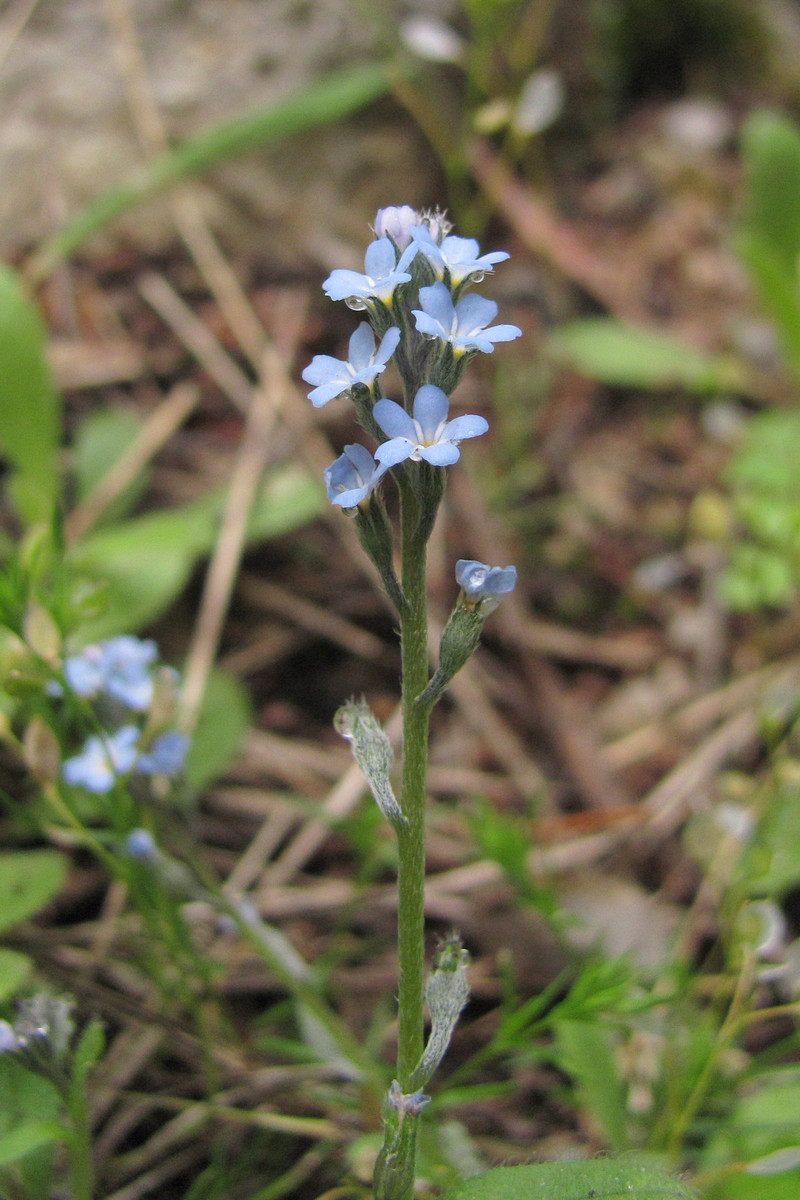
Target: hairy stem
[411, 837]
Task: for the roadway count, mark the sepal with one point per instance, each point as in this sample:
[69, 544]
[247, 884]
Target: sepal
[446, 993]
[459, 641]
[372, 751]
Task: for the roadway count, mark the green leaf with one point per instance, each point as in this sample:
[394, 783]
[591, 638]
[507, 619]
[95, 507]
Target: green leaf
[225, 717]
[585, 1050]
[88, 1050]
[101, 440]
[617, 354]
[25, 1137]
[776, 288]
[28, 879]
[14, 970]
[29, 407]
[629, 1178]
[147, 561]
[308, 108]
[771, 169]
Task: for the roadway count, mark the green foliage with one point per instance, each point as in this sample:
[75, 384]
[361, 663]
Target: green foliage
[28, 880]
[101, 439]
[586, 1050]
[225, 716]
[623, 356]
[601, 1179]
[29, 408]
[768, 240]
[146, 561]
[30, 1108]
[764, 561]
[760, 1136]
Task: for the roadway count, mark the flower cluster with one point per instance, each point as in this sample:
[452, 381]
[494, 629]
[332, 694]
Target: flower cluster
[421, 316]
[123, 679]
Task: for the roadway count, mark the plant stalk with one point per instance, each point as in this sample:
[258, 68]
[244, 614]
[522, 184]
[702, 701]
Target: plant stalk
[411, 837]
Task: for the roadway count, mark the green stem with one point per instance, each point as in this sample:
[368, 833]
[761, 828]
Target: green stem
[80, 1145]
[411, 837]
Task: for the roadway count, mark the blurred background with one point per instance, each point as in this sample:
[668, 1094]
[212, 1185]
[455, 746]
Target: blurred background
[614, 779]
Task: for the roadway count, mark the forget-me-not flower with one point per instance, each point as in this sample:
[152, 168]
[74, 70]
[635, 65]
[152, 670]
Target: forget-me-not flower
[462, 325]
[140, 844]
[334, 376]
[164, 755]
[478, 581]
[352, 477]
[383, 272]
[102, 759]
[428, 434]
[459, 257]
[120, 667]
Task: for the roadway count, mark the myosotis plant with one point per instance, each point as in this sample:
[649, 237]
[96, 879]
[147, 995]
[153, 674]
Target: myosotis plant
[413, 293]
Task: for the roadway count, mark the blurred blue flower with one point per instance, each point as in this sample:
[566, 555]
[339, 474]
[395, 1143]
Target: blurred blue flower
[334, 376]
[478, 581]
[140, 844]
[428, 434]
[382, 274]
[164, 755]
[102, 759]
[462, 325]
[460, 257]
[352, 477]
[120, 667]
[8, 1038]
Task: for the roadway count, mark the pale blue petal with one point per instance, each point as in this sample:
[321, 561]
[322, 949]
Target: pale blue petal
[342, 284]
[502, 580]
[430, 325]
[321, 395]
[389, 343]
[362, 347]
[361, 459]
[438, 303]
[430, 409]
[460, 250]
[408, 255]
[350, 499]
[379, 261]
[503, 333]
[394, 420]
[325, 369]
[474, 312]
[467, 426]
[396, 451]
[440, 454]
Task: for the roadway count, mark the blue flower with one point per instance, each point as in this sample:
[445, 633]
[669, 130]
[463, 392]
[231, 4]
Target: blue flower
[165, 754]
[462, 325]
[8, 1038]
[428, 434]
[102, 759]
[352, 477]
[120, 667]
[139, 844]
[382, 274]
[479, 581]
[460, 257]
[334, 376]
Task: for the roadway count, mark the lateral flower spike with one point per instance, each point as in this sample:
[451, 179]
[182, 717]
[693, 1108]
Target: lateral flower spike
[481, 589]
[446, 992]
[372, 751]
